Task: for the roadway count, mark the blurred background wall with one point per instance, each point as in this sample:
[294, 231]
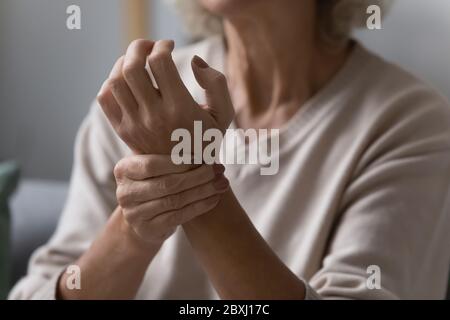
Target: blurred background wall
[49, 75]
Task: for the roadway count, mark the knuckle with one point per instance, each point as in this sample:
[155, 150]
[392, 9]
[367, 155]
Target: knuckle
[123, 196]
[157, 58]
[219, 79]
[102, 100]
[107, 87]
[102, 95]
[120, 169]
[140, 45]
[121, 59]
[130, 68]
[138, 166]
[136, 43]
[115, 84]
[144, 167]
[172, 201]
[148, 165]
[162, 185]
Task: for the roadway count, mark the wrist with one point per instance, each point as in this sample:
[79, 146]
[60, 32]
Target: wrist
[132, 242]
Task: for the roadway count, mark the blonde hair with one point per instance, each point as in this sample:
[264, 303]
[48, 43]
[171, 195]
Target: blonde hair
[337, 18]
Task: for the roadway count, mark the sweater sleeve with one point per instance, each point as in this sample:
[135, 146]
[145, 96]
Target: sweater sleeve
[391, 240]
[90, 201]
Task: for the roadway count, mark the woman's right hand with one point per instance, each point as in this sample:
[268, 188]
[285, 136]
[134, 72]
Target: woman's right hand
[144, 116]
[156, 196]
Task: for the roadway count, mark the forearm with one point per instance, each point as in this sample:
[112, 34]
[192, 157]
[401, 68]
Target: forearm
[238, 261]
[114, 266]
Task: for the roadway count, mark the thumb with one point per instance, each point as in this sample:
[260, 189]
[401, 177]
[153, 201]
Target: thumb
[218, 97]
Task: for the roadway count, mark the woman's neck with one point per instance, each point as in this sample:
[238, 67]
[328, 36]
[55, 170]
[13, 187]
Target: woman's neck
[274, 61]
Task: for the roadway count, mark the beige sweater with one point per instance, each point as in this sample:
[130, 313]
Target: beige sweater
[364, 180]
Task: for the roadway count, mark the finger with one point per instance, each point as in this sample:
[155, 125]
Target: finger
[109, 106]
[120, 90]
[165, 72]
[134, 192]
[216, 89]
[149, 209]
[142, 167]
[135, 74]
[175, 218]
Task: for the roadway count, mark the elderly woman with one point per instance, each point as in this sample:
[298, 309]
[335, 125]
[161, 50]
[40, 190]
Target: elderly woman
[358, 209]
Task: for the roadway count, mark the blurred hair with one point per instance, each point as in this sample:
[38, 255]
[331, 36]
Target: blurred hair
[336, 18]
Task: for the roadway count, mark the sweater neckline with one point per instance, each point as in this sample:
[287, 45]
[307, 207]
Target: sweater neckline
[320, 103]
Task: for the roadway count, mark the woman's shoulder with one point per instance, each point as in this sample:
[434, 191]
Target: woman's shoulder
[386, 93]
[395, 110]
[390, 85]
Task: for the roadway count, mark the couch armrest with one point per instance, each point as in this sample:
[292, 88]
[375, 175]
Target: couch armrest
[36, 208]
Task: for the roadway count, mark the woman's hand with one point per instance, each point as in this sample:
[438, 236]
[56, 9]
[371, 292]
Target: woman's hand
[145, 116]
[156, 196]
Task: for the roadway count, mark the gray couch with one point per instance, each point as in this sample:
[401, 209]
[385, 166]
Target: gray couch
[36, 207]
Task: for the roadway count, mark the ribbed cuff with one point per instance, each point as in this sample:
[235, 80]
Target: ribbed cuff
[48, 290]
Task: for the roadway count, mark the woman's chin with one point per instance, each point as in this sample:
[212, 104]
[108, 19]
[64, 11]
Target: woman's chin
[226, 7]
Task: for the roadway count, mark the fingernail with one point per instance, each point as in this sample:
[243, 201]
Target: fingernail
[199, 62]
[221, 183]
[218, 168]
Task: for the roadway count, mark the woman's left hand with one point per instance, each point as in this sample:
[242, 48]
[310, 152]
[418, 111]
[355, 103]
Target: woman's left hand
[156, 196]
